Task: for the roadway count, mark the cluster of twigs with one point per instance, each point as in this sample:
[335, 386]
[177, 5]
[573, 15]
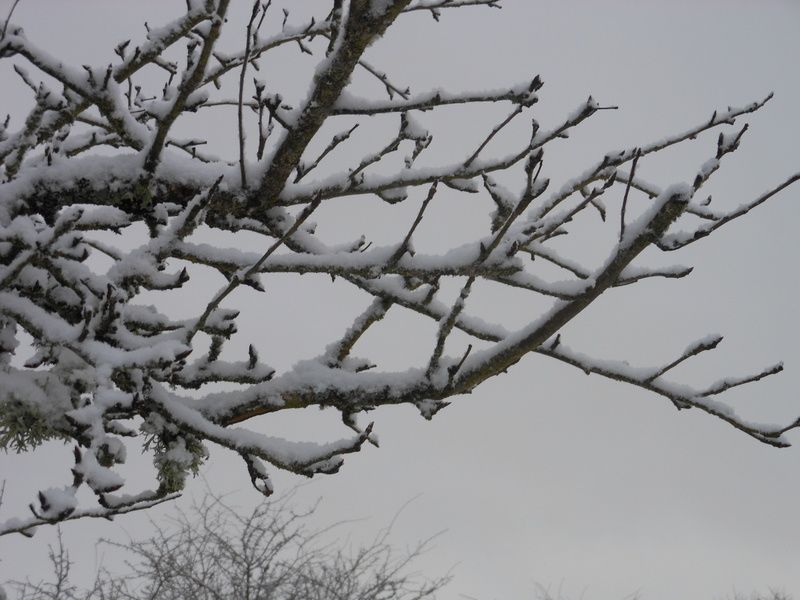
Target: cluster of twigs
[270, 553]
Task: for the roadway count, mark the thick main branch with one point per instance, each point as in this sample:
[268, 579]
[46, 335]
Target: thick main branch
[361, 28]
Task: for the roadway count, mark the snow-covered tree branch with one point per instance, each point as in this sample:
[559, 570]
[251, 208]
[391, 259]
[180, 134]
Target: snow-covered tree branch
[103, 154]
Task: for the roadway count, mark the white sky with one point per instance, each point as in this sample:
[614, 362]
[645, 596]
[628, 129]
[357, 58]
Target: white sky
[546, 475]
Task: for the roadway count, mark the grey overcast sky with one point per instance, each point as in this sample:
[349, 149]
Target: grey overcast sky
[545, 476]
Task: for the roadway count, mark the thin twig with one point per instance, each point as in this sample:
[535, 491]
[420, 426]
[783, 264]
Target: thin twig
[240, 278]
[240, 111]
[493, 133]
[625, 197]
[8, 19]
